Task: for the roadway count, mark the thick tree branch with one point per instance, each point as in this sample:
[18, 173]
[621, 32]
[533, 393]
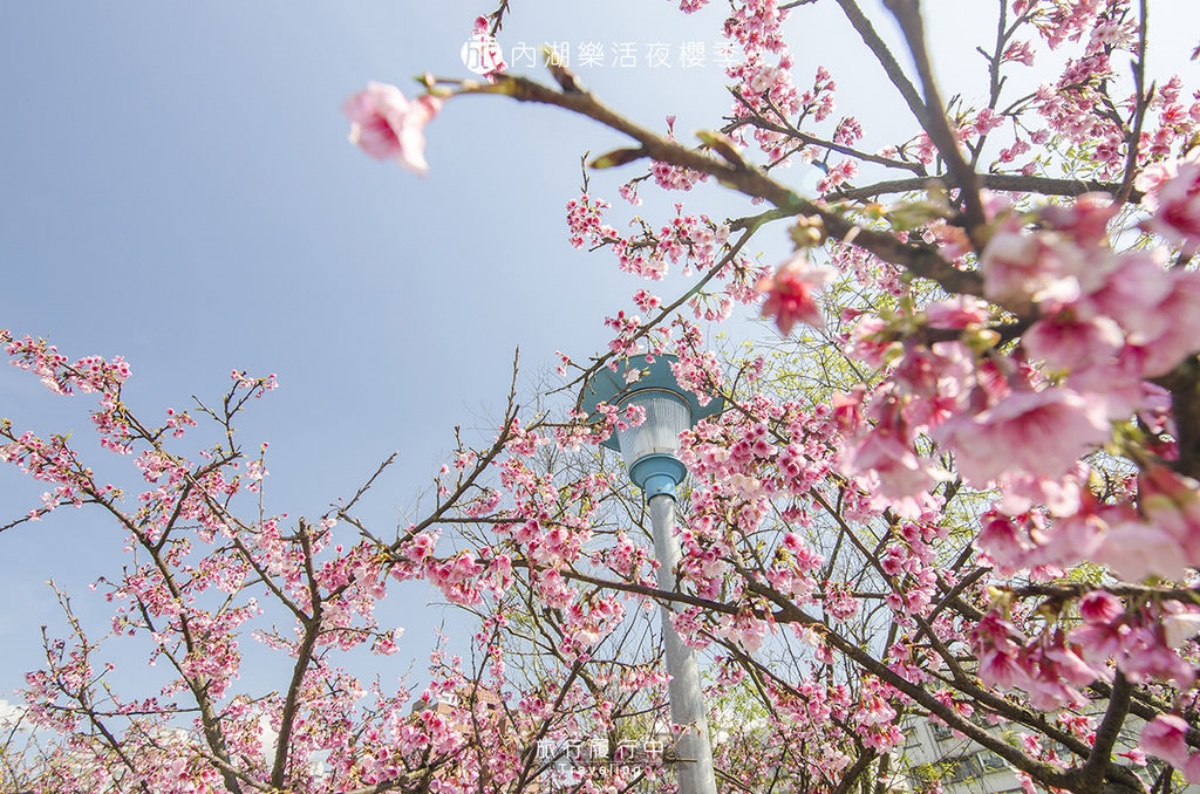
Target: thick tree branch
[1134, 141]
[883, 55]
[934, 121]
[1091, 775]
[1008, 183]
[919, 259]
[304, 659]
[1184, 385]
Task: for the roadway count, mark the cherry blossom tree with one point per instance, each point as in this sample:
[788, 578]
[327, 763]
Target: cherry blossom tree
[209, 569]
[962, 488]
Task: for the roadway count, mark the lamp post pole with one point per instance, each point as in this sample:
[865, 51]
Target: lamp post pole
[696, 774]
[650, 454]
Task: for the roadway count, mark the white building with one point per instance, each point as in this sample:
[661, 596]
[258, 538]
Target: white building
[934, 752]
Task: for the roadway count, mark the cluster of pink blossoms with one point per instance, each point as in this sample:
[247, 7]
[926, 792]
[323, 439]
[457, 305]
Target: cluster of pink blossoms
[772, 477]
[1056, 665]
[693, 241]
[1108, 323]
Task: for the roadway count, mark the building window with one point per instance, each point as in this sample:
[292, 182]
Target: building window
[992, 762]
[941, 731]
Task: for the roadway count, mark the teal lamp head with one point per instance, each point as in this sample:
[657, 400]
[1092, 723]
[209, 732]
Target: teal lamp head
[650, 450]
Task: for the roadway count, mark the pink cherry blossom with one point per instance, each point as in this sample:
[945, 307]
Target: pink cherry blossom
[1086, 221]
[387, 125]
[1152, 178]
[958, 312]
[1135, 550]
[1177, 216]
[1166, 737]
[1046, 324]
[791, 293]
[1041, 433]
[1180, 627]
[1065, 341]
[900, 472]
[1100, 607]
[1019, 52]
[1180, 331]
[1021, 268]
[483, 52]
[1172, 503]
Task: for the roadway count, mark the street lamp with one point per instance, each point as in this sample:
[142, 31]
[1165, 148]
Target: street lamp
[651, 455]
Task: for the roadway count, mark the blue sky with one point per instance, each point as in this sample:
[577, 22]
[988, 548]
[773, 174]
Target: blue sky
[176, 187]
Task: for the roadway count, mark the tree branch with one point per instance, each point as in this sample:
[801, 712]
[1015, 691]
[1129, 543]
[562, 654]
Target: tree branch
[934, 120]
[919, 259]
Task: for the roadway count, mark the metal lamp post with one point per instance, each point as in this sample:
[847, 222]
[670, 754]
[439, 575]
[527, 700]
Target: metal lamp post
[651, 455]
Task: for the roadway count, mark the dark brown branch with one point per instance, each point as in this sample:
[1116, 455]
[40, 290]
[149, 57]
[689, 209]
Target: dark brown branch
[919, 259]
[934, 120]
[809, 140]
[1091, 775]
[1184, 385]
[855, 772]
[1134, 141]
[304, 658]
[879, 48]
[1009, 183]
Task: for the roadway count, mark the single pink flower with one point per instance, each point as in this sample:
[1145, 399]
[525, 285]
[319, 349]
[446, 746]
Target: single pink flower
[1003, 540]
[960, 311]
[1179, 628]
[791, 293]
[935, 382]
[1047, 693]
[1099, 606]
[1002, 669]
[1038, 433]
[1135, 550]
[1131, 291]
[1099, 642]
[1020, 52]
[1181, 311]
[1020, 493]
[847, 409]
[1021, 268]
[1145, 656]
[1141, 292]
[1068, 342]
[1166, 737]
[1170, 502]
[387, 125]
[901, 472]
[1086, 221]
[483, 54]
[1062, 663]
[1177, 216]
[1151, 180]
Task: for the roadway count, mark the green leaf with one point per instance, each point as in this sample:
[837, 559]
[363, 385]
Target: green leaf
[618, 157]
